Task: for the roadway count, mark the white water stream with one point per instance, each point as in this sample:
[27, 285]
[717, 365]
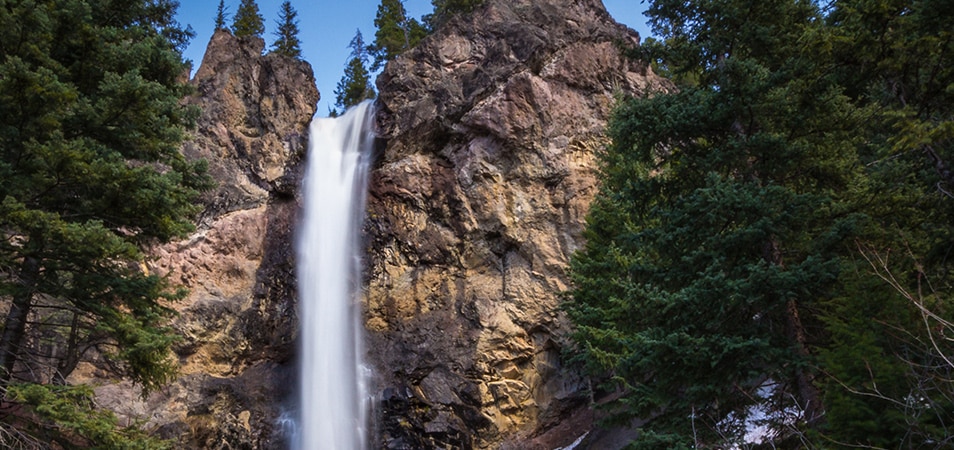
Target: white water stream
[333, 397]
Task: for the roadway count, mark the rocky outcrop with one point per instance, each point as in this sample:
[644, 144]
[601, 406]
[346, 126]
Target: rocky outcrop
[238, 323]
[477, 200]
[255, 113]
[475, 206]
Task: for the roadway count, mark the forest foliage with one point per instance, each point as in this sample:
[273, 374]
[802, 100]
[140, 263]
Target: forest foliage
[770, 248]
[248, 21]
[444, 10]
[355, 85]
[394, 34]
[287, 42]
[91, 123]
[221, 16]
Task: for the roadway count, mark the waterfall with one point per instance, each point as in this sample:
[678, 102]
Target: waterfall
[333, 394]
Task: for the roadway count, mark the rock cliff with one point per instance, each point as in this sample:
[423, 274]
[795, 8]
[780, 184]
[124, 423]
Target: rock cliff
[489, 131]
[238, 323]
[475, 206]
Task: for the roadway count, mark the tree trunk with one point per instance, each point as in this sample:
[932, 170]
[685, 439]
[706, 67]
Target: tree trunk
[69, 361]
[14, 327]
[807, 392]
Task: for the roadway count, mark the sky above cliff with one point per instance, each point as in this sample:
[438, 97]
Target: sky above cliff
[328, 26]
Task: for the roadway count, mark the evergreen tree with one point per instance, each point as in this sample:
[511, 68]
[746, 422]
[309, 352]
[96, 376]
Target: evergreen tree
[395, 32]
[720, 227]
[248, 21]
[72, 420]
[90, 173]
[774, 234]
[220, 16]
[887, 370]
[445, 9]
[874, 366]
[355, 85]
[287, 43]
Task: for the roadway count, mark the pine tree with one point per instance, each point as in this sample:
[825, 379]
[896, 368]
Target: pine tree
[720, 226]
[355, 85]
[73, 421]
[287, 43]
[220, 16]
[864, 327]
[248, 21]
[395, 32]
[887, 374]
[445, 9]
[779, 227]
[90, 173]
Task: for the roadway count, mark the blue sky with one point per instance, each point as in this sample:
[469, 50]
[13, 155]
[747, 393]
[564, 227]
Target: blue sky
[327, 27]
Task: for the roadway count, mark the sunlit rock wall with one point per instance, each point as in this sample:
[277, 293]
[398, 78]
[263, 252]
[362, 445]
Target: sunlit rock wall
[476, 203]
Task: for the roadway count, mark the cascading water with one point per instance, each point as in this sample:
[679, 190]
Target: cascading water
[332, 387]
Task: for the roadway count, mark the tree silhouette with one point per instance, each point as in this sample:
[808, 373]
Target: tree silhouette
[287, 42]
[355, 85]
[220, 14]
